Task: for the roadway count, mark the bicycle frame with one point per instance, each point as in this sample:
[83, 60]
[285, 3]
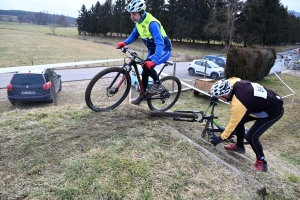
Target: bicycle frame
[134, 61]
[210, 120]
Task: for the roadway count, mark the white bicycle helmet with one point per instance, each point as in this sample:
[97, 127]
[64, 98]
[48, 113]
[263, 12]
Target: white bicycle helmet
[220, 88]
[136, 6]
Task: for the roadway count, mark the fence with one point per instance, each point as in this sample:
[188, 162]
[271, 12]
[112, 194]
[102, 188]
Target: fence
[74, 82]
[76, 79]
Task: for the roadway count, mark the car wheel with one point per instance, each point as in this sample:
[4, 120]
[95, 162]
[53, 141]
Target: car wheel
[136, 86]
[214, 76]
[191, 72]
[13, 103]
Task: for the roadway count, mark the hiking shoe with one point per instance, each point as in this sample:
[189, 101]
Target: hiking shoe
[261, 165]
[137, 100]
[154, 88]
[234, 147]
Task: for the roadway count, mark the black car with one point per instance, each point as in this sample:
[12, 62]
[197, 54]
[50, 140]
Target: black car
[33, 86]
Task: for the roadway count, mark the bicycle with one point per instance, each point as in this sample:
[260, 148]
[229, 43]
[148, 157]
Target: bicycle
[110, 87]
[211, 126]
[296, 67]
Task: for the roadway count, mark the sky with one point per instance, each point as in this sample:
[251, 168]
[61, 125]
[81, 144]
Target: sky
[71, 7]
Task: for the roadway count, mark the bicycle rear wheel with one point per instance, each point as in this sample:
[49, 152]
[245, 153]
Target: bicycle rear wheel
[107, 89]
[165, 99]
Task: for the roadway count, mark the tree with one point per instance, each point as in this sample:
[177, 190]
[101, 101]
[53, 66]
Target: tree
[41, 18]
[215, 29]
[119, 16]
[105, 17]
[82, 20]
[61, 20]
[52, 27]
[20, 18]
[250, 23]
[231, 17]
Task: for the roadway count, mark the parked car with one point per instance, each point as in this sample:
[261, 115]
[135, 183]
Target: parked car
[134, 80]
[219, 60]
[32, 86]
[213, 70]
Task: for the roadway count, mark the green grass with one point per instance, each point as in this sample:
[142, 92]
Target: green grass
[71, 152]
[42, 29]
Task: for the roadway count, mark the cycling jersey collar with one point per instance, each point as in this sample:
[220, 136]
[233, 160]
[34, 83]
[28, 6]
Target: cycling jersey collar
[142, 18]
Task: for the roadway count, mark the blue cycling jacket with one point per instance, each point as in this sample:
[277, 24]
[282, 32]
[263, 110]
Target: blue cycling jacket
[157, 45]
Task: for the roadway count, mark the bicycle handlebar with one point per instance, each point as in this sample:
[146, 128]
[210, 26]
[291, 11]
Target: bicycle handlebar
[134, 55]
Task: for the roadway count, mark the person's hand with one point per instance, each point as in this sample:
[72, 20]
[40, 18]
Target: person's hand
[120, 45]
[216, 140]
[149, 64]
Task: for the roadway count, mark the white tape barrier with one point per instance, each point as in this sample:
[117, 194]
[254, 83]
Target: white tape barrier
[58, 65]
[192, 87]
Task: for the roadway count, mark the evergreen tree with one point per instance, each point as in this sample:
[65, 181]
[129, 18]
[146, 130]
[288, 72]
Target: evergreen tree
[105, 14]
[250, 23]
[82, 20]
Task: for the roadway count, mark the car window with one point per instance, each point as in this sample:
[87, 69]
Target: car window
[198, 62]
[220, 62]
[214, 65]
[23, 79]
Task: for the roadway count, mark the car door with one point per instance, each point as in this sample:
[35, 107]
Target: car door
[57, 81]
[199, 69]
[208, 68]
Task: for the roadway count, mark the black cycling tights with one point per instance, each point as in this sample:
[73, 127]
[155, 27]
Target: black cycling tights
[258, 128]
[145, 75]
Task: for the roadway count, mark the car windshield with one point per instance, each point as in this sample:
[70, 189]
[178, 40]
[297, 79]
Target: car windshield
[23, 79]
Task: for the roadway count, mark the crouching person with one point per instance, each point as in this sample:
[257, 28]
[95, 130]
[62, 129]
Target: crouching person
[248, 102]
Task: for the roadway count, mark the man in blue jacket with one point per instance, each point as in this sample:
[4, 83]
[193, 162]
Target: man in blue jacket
[154, 37]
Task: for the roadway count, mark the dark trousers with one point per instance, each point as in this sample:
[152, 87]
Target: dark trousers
[259, 127]
[145, 76]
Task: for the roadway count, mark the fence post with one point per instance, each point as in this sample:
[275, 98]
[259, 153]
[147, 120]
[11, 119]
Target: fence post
[205, 69]
[52, 89]
[174, 74]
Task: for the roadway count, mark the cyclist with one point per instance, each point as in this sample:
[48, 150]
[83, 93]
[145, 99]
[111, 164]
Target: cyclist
[154, 37]
[248, 101]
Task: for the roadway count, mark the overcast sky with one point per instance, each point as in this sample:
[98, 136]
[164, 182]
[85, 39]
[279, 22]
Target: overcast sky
[71, 7]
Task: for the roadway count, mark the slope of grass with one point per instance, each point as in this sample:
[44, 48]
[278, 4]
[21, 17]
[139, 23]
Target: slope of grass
[70, 152]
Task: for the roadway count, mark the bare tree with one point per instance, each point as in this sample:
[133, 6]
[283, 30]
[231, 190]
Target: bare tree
[61, 20]
[223, 15]
[231, 17]
[20, 18]
[52, 27]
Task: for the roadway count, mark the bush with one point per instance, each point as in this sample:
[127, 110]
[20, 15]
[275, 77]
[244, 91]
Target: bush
[252, 64]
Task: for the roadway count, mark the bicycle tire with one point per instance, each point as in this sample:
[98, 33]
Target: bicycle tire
[173, 114]
[97, 95]
[171, 90]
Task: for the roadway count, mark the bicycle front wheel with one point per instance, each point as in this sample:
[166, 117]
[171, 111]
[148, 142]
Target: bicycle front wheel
[167, 97]
[107, 89]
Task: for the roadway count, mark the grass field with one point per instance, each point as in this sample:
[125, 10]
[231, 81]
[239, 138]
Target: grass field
[70, 152]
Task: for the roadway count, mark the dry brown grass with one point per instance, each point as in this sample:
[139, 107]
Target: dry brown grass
[24, 48]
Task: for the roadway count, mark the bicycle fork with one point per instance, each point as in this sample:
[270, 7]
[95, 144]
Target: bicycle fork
[113, 90]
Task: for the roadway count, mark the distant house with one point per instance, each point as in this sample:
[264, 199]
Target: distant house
[9, 18]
